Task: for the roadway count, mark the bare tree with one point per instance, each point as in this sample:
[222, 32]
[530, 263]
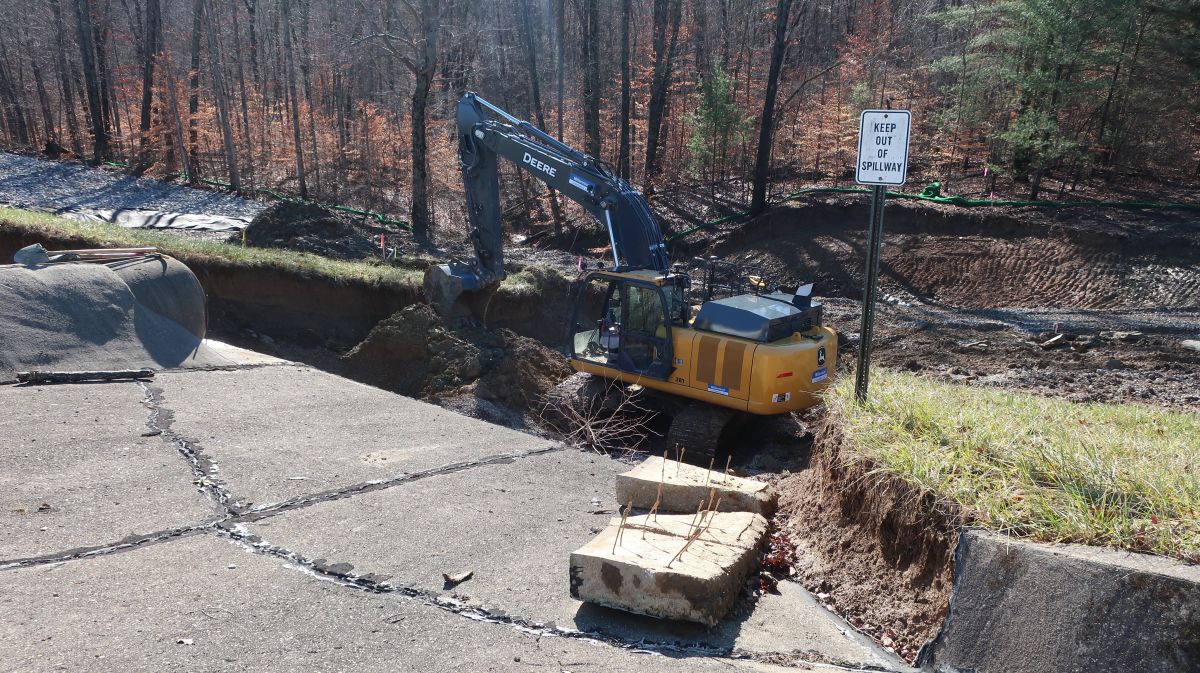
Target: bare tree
[151, 43]
[285, 8]
[666, 32]
[222, 96]
[626, 98]
[423, 68]
[87, 52]
[536, 92]
[762, 160]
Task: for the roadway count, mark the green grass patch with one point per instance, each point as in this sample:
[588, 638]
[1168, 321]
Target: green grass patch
[190, 250]
[1125, 476]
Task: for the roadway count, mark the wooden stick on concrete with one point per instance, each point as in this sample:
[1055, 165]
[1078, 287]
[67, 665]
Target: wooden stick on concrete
[682, 450]
[728, 460]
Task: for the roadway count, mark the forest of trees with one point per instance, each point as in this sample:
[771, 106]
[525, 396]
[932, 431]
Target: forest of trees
[352, 100]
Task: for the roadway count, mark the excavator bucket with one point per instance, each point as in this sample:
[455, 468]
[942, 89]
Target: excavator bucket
[447, 288]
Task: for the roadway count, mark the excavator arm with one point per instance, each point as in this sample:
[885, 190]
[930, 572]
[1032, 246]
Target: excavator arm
[636, 240]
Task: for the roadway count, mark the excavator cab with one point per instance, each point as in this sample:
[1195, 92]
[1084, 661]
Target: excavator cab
[624, 321]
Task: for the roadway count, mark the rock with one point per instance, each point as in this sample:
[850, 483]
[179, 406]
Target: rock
[1190, 344]
[644, 572]
[1113, 363]
[685, 486]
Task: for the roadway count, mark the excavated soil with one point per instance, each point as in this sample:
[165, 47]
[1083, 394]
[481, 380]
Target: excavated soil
[496, 375]
[306, 227]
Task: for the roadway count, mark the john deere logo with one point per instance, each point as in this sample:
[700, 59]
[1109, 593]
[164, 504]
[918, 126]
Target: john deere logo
[820, 356]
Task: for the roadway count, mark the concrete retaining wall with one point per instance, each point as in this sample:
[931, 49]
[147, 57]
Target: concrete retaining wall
[1020, 607]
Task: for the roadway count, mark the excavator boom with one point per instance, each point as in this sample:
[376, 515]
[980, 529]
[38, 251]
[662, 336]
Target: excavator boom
[486, 134]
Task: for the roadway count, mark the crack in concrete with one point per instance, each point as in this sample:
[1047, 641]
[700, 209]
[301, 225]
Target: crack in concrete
[340, 574]
[232, 517]
[300, 502]
[203, 468]
[131, 542]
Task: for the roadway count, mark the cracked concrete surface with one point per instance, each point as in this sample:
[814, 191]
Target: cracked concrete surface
[76, 470]
[277, 433]
[287, 519]
[203, 603]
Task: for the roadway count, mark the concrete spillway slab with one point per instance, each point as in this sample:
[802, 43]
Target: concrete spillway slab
[684, 486]
[515, 525]
[666, 567]
[277, 433]
[76, 470]
[202, 603]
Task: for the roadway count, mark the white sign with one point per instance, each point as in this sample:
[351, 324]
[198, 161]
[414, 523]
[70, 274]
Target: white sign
[883, 147]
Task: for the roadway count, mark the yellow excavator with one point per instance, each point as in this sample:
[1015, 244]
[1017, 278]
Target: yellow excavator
[716, 342]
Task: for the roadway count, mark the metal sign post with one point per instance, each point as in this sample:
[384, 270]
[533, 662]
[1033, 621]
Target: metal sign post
[882, 161]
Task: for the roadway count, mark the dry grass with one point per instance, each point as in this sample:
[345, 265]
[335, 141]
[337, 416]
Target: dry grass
[191, 250]
[1125, 476]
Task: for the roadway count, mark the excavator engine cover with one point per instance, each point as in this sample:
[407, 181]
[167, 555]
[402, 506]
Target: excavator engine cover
[757, 317]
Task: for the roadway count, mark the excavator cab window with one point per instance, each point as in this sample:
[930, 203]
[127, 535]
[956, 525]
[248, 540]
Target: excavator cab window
[629, 330]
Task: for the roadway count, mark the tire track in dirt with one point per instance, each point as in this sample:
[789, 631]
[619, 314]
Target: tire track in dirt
[971, 260]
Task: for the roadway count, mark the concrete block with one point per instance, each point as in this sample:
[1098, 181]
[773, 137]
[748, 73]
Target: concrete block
[642, 574]
[1023, 607]
[684, 487]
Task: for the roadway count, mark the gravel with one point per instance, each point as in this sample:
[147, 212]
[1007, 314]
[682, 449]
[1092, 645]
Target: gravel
[29, 182]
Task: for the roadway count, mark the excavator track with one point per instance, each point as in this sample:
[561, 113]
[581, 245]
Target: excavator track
[578, 396]
[697, 428]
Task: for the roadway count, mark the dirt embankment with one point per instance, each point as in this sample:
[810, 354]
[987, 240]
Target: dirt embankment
[980, 258]
[869, 547]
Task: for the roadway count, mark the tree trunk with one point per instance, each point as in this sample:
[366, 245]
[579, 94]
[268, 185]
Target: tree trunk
[173, 102]
[252, 29]
[666, 32]
[14, 113]
[108, 97]
[762, 160]
[626, 102]
[64, 76]
[424, 78]
[214, 57]
[285, 9]
[591, 76]
[152, 44]
[193, 148]
[560, 18]
[536, 92]
[87, 53]
[52, 138]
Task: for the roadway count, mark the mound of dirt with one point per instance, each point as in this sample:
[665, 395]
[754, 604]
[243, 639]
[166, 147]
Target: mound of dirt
[308, 228]
[494, 374]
